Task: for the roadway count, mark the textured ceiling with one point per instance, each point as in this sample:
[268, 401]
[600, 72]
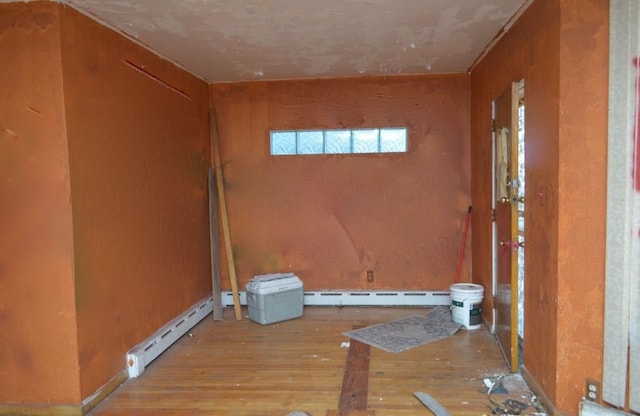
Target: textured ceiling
[234, 40]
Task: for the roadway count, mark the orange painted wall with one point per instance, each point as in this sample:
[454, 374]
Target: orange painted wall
[560, 49]
[582, 177]
[139, 152]
[38, 342]
[330, 218]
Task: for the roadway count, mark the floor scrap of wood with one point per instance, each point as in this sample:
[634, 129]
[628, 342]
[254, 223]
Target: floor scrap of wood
[240, 368]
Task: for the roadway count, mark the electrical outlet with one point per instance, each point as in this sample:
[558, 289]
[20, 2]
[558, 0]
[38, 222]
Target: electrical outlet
[369, 276]
[593, 390]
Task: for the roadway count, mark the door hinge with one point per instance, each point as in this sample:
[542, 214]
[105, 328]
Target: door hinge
[493, 215]
[493, 125]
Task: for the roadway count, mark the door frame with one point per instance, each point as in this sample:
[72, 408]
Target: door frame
[510, 350]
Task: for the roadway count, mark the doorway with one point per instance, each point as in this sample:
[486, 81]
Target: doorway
[521, 192]
[509, 227]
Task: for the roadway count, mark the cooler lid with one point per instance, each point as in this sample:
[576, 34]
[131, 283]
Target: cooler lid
[271, 281]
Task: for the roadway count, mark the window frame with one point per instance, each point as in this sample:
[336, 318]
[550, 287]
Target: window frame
[357, 141]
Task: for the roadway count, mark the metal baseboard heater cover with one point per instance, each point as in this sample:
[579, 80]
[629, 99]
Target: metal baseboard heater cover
[589, 408]
[361, 298]
[148, 350]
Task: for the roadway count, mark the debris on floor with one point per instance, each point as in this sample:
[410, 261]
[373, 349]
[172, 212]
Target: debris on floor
[494, 385]
[516, 398]
[508, 407]
[538, 406]
[431, 404]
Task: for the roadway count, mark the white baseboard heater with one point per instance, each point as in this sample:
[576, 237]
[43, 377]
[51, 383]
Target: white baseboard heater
[360, 298]
[148, 350]
[589, 408]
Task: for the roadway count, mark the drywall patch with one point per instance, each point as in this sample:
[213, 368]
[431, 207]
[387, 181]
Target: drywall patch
[6, 133]
[171, 25]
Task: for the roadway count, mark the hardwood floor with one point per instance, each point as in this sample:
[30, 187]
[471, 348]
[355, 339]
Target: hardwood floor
[234, 367]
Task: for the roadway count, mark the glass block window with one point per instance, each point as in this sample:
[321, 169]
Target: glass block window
[343, 141]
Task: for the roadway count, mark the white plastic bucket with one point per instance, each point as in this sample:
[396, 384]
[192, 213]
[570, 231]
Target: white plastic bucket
[466, 304]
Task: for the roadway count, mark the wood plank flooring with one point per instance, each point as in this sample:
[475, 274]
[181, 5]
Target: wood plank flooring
[241, 368]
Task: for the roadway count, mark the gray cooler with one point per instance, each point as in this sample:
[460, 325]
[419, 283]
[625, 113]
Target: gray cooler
[274, 297]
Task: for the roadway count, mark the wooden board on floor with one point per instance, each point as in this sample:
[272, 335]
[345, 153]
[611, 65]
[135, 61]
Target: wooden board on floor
[355, 381]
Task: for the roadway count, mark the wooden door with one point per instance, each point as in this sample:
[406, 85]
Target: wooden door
[506, 217]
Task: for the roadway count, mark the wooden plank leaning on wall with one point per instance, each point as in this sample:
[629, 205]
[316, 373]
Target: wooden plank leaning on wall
[217, 165]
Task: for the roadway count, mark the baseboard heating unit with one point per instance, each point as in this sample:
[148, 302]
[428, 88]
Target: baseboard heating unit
[148, 350]
[589, 408]
[360, 298]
